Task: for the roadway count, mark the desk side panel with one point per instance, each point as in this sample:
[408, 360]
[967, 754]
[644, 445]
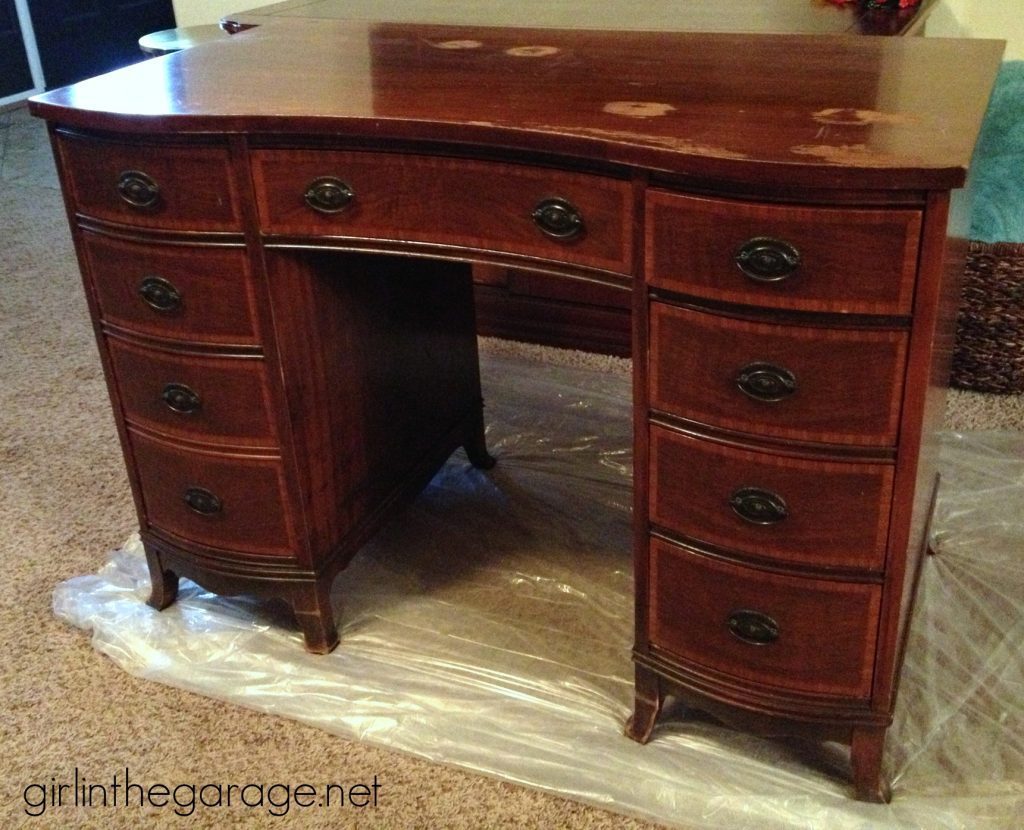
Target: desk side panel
[379, 370]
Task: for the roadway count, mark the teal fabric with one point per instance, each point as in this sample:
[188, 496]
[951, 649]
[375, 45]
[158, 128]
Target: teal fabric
[998, 171]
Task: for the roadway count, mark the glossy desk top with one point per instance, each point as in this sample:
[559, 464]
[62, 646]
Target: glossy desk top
[823, 111]
[754, 16]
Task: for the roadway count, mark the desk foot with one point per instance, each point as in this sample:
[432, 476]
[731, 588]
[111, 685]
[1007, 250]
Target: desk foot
[866, 761]
[475, 446]
[312, 608]
[164, 583]
[648, 701]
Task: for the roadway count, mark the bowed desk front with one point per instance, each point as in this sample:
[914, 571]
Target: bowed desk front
[276, 234]
[550, 309]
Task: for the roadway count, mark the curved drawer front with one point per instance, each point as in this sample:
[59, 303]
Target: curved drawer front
[185, 292]
[808, 384]
[204, 398]
[230, 502]
[804, 635]
[547, 214]
[807, 258]
[827, 514]
[173, 187]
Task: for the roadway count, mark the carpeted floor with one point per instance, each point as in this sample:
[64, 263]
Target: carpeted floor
[64, 503]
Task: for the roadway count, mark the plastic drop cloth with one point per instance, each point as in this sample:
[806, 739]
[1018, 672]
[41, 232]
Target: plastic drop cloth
[490, 625]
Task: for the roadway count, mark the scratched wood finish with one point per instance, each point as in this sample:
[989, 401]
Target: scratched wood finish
[837, 511]
[529, 312]
[371, 377]
[666, 101]
[848, 382]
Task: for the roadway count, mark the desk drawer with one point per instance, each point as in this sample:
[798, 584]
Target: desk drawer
[184, 292]
[827, 514]
[808, 258]
[804, 635]
[174, 187]
[206, 398]
[234, 503]
[476, 205]
[804, 383]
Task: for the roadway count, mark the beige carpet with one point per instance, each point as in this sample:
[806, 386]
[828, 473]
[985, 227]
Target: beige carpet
[64, 503]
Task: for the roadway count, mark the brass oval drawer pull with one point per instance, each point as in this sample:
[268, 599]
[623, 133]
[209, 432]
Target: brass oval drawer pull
[753, 627]
[329, 194]
[757, 506]
[159, 294]
[764, 259]
[202, 501]
[766, 382]
[179, 398]
[558, 218]
[138, 189]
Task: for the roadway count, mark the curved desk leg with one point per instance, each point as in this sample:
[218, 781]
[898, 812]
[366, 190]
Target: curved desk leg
[647, 706]
[164, 583]
[866, 760]
[475, 445]
[312, 607]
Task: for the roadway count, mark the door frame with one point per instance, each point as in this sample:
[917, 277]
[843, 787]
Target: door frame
[28, 36]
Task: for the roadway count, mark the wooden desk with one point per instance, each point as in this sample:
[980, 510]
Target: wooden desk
[275, 235]
[517, 304]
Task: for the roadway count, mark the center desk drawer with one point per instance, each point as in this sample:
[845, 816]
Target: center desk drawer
[575, 218]
[801, 382]
[823, 513]
[813, 636]
[783, 256]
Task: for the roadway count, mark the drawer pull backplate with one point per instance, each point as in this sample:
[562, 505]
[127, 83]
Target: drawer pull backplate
[138, 189]
[767, 260]
[757, 506]
[202, 501]
[753, 627]
[159, 294]
[179, 398]
[329, 194]
[766, 382]
[558, 218]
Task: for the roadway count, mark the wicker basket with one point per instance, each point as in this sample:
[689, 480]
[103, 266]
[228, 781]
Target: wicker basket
[989, 351]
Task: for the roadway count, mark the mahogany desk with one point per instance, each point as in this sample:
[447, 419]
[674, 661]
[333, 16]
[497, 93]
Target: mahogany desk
[275, 235]
[559, 311]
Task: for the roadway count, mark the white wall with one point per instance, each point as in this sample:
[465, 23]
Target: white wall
[197, 12]
[1002, 19]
